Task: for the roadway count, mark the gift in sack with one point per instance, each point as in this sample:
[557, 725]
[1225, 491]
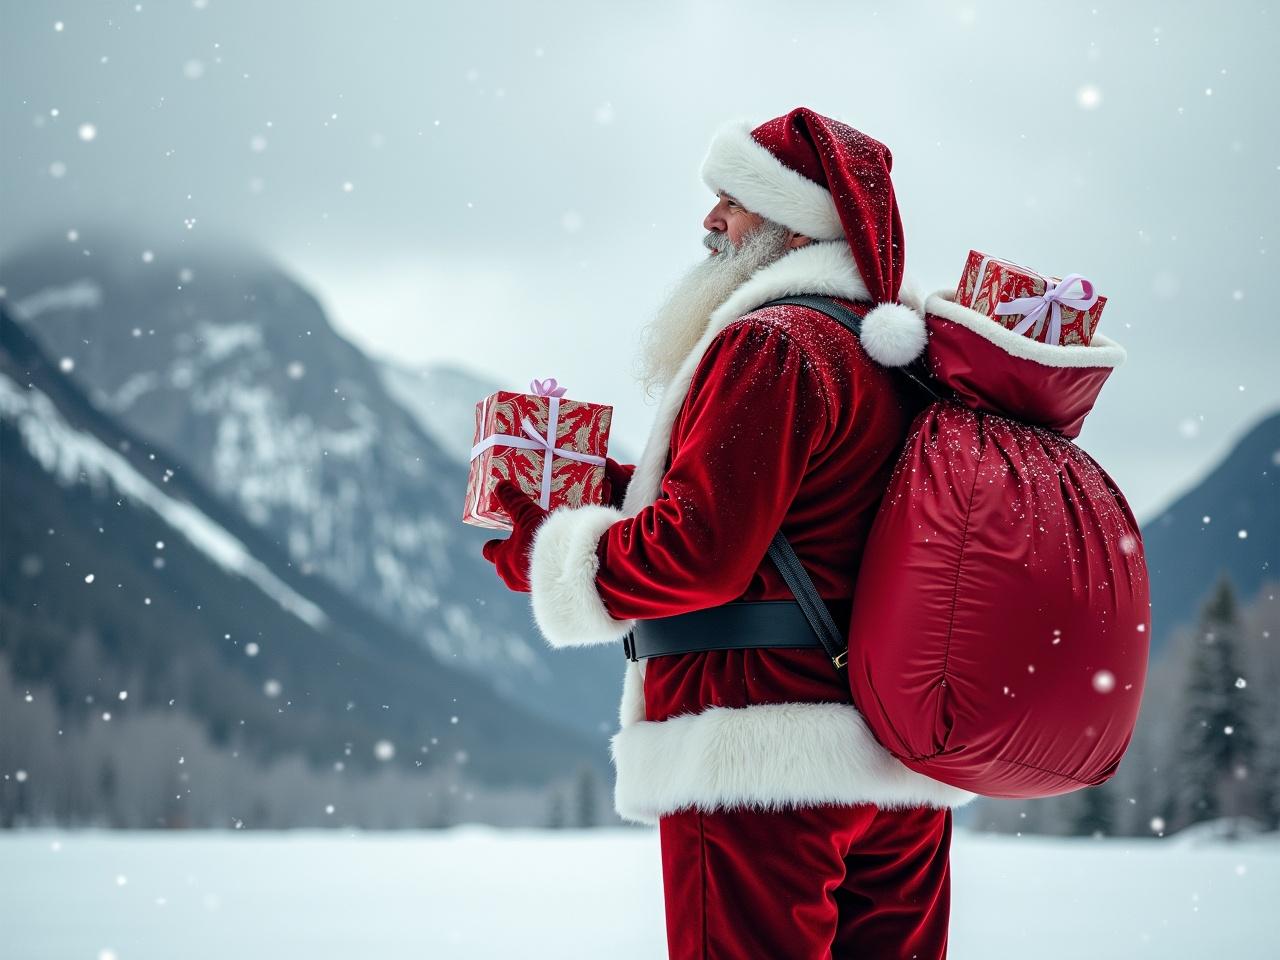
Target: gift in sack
[552, 447]
[1054, 310]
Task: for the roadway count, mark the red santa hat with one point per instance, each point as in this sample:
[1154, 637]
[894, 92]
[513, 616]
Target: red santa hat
[826, 180]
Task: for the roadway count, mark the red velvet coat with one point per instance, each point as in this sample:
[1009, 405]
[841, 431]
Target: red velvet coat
[776, 418]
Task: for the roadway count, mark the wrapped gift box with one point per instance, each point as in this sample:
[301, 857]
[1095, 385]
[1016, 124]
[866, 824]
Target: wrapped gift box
[1015, 297]
[511, 442]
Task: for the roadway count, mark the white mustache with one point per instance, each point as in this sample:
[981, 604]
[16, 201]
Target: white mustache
[719, 242]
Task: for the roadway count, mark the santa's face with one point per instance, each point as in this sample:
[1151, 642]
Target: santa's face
[730, 217]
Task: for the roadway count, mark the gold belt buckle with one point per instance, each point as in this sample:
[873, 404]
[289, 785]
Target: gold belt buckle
[841, 658]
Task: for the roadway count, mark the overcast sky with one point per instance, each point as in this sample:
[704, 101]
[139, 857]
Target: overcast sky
[513, 186]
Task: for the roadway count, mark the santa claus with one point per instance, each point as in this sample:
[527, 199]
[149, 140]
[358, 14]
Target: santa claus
[786, 829]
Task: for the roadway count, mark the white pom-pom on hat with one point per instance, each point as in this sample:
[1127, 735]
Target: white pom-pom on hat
[893, 334]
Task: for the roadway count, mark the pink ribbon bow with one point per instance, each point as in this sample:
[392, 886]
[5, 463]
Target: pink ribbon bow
[545, 388]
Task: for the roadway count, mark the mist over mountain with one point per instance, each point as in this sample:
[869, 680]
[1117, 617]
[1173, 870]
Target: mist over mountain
[212, 353]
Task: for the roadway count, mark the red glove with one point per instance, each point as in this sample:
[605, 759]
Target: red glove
[617, 477]
[511, 556]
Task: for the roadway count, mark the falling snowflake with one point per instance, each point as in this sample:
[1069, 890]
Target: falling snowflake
[1088, 97]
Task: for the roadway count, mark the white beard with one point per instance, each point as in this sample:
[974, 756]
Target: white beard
[682, 319]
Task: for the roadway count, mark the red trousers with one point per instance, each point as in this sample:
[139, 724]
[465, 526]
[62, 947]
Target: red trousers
[807, 883]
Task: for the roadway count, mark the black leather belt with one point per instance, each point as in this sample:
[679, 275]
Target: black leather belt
[730, 626]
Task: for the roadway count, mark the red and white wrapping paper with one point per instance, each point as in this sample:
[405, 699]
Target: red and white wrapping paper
[1049, 309]
[552, 447]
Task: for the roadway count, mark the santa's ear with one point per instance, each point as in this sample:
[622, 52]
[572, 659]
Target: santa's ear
[798, 240]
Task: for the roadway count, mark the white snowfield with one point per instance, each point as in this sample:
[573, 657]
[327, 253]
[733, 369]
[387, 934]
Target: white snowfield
[475, 892]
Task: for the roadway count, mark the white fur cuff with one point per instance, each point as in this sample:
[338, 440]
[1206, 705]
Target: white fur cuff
[562, 577]
[767, 756]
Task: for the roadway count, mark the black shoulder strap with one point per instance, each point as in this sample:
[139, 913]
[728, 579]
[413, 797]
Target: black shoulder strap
[780, 550]
[815, 610]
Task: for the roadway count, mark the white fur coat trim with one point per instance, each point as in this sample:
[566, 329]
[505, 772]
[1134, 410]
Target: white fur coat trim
[738, 165]
[562, 578]
[1100, 352]
[765, 756]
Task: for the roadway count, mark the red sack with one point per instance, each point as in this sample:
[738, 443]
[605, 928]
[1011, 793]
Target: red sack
[1000, 625]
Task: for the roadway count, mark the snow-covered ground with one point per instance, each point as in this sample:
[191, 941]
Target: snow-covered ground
[473, 892]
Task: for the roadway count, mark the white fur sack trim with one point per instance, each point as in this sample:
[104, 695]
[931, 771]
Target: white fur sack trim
[738, 165]
[767, 756]
[1100, 352]
[893, 334]
[562, 578]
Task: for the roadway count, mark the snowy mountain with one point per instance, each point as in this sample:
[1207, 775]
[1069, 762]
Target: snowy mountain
[441, 398]
[125, 586]
[1227, 523]
[220, 359]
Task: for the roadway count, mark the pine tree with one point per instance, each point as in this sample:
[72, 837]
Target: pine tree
[1217, 745]
[1095, 813]
[556, 819]
[584, 795]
